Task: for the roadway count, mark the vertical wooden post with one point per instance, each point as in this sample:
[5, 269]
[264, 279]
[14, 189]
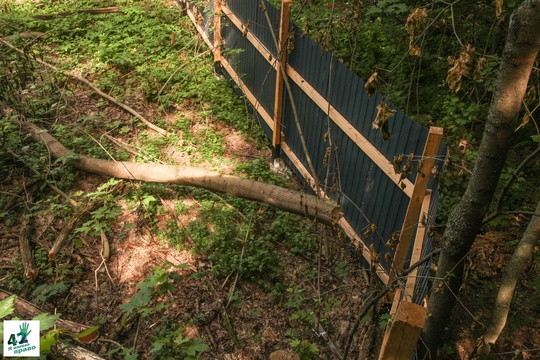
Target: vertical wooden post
[413, 211]
[404, 332]
[217, 32]
[281, 58]
[417, 247]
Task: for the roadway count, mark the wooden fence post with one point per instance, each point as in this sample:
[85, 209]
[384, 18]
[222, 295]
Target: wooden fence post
[410, 223]
[217, 32]
[281, 58]
[417, 247]
[403, 333]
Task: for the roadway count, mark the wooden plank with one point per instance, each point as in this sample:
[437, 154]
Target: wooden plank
[413, 211]
[417, 247]
[404, 333]
[217, 30]
[375, 155]
[252, 39]
[280, 73]
[345, 225]
[200, 30]
[249, 95]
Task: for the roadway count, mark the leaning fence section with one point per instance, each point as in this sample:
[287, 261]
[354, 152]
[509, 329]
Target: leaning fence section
[319, 118]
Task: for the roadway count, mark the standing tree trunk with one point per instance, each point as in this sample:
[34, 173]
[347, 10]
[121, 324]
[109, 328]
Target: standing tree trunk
[521, 49]
[515, 267]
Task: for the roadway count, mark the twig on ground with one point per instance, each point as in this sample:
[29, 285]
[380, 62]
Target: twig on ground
[51, 186]
[30, 270]
[80, 78]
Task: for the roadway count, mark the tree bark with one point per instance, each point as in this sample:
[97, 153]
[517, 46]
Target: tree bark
[328, 212]
[519, 55]
[515, 267]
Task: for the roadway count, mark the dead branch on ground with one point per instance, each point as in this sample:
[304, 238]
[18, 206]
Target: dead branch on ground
[25, 309]
[27, 259]
[80, 78]
[326, 211]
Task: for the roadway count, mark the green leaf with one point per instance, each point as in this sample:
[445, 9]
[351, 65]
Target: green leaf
[140, 300]
[198, 275]
[47, 321]
[6, 306]
[87, 332]
[194, 347]
[47, 341]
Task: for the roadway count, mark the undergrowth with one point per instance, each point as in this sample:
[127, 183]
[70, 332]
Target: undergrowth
[148, 57]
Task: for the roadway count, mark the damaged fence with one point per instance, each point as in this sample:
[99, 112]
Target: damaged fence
[320, 120]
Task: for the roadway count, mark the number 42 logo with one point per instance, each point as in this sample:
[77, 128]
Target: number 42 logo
[21, 338]
[23, 334]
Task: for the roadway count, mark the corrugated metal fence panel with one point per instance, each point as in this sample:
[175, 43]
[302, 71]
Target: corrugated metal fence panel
[207, 19]
[254, 70]
[251, 12]
[367, 195]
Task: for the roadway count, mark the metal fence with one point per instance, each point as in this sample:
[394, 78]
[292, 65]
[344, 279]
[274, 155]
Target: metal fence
[334, 116]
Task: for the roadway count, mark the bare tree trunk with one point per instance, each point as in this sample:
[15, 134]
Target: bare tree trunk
[328, 212]
[515, 267]
[521, 49]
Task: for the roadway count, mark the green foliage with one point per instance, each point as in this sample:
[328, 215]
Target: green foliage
[6, 306]
[293, 233]
[157, 283]
[305, 349]
[259, 169]
[231, 244]
[175, 345]
[45, 291]
[342, 269]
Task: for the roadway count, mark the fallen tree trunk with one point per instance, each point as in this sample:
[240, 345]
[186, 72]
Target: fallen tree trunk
[325, 211]
[73, 352]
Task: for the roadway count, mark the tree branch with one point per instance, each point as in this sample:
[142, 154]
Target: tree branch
[507, 186]
[387, 289]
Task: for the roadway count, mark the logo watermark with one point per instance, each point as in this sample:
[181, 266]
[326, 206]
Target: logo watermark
[21, 338]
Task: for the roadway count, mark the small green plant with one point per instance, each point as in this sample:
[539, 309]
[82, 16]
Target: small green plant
[342, 269]
[307, 350]
[157, 283]
[45, 291]
[176, 345]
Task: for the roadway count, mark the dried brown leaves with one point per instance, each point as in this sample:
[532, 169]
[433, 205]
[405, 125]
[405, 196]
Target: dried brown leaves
[415, 25]
[371, 84]
[381, 120]
[461, 67]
